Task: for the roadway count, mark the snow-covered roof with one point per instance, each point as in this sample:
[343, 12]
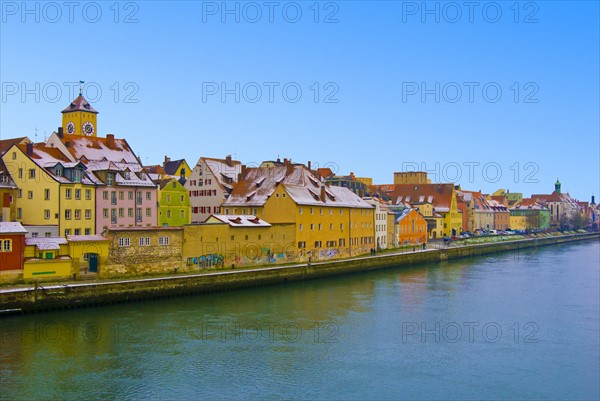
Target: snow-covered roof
[299, 182]
[237, 220]
[11, 227]
[46, 243]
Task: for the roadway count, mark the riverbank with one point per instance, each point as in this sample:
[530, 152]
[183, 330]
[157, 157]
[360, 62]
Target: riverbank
[41, 298]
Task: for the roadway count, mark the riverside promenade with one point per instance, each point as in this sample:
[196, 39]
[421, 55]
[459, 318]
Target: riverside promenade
[45, 297]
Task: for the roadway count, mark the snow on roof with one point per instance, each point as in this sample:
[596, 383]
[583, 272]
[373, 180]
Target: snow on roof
[238, 220]
[44, 243]
[222, 169]
[299, 183]
[11, 227]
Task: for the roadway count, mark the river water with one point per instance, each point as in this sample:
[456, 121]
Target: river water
[522, 325]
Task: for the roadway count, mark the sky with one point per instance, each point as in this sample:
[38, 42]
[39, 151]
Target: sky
[487, 95]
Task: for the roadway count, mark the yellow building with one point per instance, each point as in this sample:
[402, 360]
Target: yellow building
[176, 168]
[435, 221]
[52, 190]
[330, 221]
[80, 118]
[411, 177]
[237, 240]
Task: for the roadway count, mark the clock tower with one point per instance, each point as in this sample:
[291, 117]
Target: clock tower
[80, 118]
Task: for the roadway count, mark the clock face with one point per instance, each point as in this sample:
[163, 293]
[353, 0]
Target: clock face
[88, 128]
[70, 128]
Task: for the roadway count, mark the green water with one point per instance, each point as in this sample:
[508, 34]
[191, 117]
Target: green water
[507, 326]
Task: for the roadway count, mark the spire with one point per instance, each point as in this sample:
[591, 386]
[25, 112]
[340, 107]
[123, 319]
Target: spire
[80, 104]
[557, 186]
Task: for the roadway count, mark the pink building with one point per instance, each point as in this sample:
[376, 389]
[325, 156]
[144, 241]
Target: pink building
[125, 194]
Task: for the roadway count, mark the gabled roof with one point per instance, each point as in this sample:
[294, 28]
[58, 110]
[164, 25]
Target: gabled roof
[237, 220]
[225, 171]
[172, 167]
[404, 213]
[6, 181]
[440, 195]
[302, 186]
[11, 227]
[80, 104]
[6, 144]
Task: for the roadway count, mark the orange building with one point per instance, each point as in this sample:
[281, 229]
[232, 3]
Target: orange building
[12, 245]
[412, 227]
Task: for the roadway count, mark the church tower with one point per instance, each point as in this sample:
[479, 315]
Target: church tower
[557, 186]
[80, 118]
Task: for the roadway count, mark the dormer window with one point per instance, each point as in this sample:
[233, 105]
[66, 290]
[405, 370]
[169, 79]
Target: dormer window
[110, 178]
[77, 175]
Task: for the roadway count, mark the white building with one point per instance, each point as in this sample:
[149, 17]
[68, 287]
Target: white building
[209, 185]
[380, 221]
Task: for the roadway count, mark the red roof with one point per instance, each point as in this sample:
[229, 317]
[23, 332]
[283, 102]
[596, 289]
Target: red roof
[440, 195]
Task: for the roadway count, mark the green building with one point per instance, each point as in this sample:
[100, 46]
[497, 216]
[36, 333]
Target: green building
[174, 208]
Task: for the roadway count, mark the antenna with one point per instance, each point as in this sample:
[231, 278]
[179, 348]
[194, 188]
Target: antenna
[36, 132]
[81, 87]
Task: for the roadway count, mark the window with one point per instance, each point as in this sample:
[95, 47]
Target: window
[301, 245]
[299, 210]
[121, 195]
[77, 231]
[88, 194]
[67, 232]
[14, 155]
[182, 213]
[19, 193]
[113, 216]
[121, 212]
[29, 194]
[138, 214]
[181, 198]
[105, 213]
[319, 226]
[78, 194]
[149, 212]
[32, 173]
[88, 214]
[47, 214]
[34, 235]
[330, 226]
[168, 214]
[7, 245]
[163, 240]
[145, 241]
[342, 226]
[148, 195]
[312, 226]
[139, 198]
[20, 173]
[321, 211]
[317, 244]
[67, 193]
[113, 197]
[130, 212]
[105, 195]
[311, 210]
[68, 214]
[109, 179]
[130, 195]
[77, 214]
[87, 231]
[46, 194]
[47, 234]
[123, 242]
[300, 227]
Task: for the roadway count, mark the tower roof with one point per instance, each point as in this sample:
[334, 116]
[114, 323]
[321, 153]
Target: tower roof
[80, 104]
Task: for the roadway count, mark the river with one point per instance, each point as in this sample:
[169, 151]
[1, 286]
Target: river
[516, 325]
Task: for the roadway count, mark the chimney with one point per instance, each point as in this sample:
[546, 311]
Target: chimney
[309, 164]
[278, 160]
[285, 161]
[323, 194]
[228, 161]
[167, 159]
[593, 200]
[243, 170]
[29, 148]
[110, 141]
[60, 132]
[289, 168]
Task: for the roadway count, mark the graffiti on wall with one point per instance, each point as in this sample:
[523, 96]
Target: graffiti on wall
[206, 261]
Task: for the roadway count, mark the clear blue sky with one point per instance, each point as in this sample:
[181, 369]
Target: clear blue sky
[381, 62]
